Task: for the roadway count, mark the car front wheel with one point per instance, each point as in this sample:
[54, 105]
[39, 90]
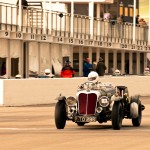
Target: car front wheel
[117, 113]
[60, 115]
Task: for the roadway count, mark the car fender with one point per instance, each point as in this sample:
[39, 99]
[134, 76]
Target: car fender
[61, 98]
[116, 98]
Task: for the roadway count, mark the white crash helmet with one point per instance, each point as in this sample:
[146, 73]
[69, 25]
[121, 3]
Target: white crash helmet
[146, 69]
[93, 77]
[117, 72]
[47, 71]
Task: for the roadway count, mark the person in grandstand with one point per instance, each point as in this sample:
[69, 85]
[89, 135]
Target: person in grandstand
[67, 71]
[87, 67]
[100, 68]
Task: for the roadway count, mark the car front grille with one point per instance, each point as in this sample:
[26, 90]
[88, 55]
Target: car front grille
[87, 103]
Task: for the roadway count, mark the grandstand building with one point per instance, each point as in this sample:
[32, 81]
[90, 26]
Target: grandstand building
[45, 33]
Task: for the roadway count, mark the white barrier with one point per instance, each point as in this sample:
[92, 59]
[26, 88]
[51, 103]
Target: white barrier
[18, 92]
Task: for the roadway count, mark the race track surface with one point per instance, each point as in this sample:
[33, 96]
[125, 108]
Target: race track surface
[33, 128]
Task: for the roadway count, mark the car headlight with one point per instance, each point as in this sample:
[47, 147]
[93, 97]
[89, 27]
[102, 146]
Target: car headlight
[103, 101]
[70, 101]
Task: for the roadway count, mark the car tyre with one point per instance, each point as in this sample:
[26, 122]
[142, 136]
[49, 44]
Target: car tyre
[60, 115]
[117, 113]
[137, 121]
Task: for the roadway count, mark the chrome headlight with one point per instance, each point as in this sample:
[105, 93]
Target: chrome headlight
[103, 101]
[71, 101]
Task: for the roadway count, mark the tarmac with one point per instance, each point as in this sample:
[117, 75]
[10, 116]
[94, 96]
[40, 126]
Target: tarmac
[33, 128]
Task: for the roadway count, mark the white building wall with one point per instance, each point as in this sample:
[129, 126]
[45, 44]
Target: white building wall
[33, 57]
[1, 92]
[15, 46]
[66, 50]
[56, 58]
[4, 46]
[44, 56]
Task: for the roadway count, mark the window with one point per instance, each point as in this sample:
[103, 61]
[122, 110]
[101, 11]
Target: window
[126, 11]
[121, 10]
[14, 66]
[131, 12]
[2, 66]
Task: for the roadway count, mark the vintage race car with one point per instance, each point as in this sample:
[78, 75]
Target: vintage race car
[101, 102]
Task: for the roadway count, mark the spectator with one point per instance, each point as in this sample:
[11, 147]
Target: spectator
[120, 19]
[47, 74]
[107, 17]
[146, 71]
[137, 19]
[18, 76]
[142, 22]
[87, 67]
[67, 71]
[100, 68]
[117, 72]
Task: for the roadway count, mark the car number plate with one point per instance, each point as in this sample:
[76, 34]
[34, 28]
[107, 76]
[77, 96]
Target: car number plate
[85, 119]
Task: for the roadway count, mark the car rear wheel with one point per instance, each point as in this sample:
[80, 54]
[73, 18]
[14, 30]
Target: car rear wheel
[137, 121]
[60, 115]
[117, 112]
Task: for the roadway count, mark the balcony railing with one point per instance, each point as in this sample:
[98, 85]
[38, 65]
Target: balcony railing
[40, 19]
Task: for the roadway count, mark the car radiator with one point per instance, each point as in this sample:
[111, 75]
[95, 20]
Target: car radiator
[87, 103]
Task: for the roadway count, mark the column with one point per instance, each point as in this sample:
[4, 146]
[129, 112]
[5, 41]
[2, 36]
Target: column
[80, 61]
[138, 63]
[149, 26]
[98, 10]
[39, 57]
[50, 17]
[72, 16]
[60, 53]
[106, 60]
[98, 16]
[145, 60]
[91, 14]
[97, 54]
[21, 58]
[130, 62]
[50, 56]
[115, 59]
[20, 16]
[8, 62]
[71, 54]
[97, 58]
[90, 54]
[134, 16]
[27, 60]
[123, 62]
[44, 17]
